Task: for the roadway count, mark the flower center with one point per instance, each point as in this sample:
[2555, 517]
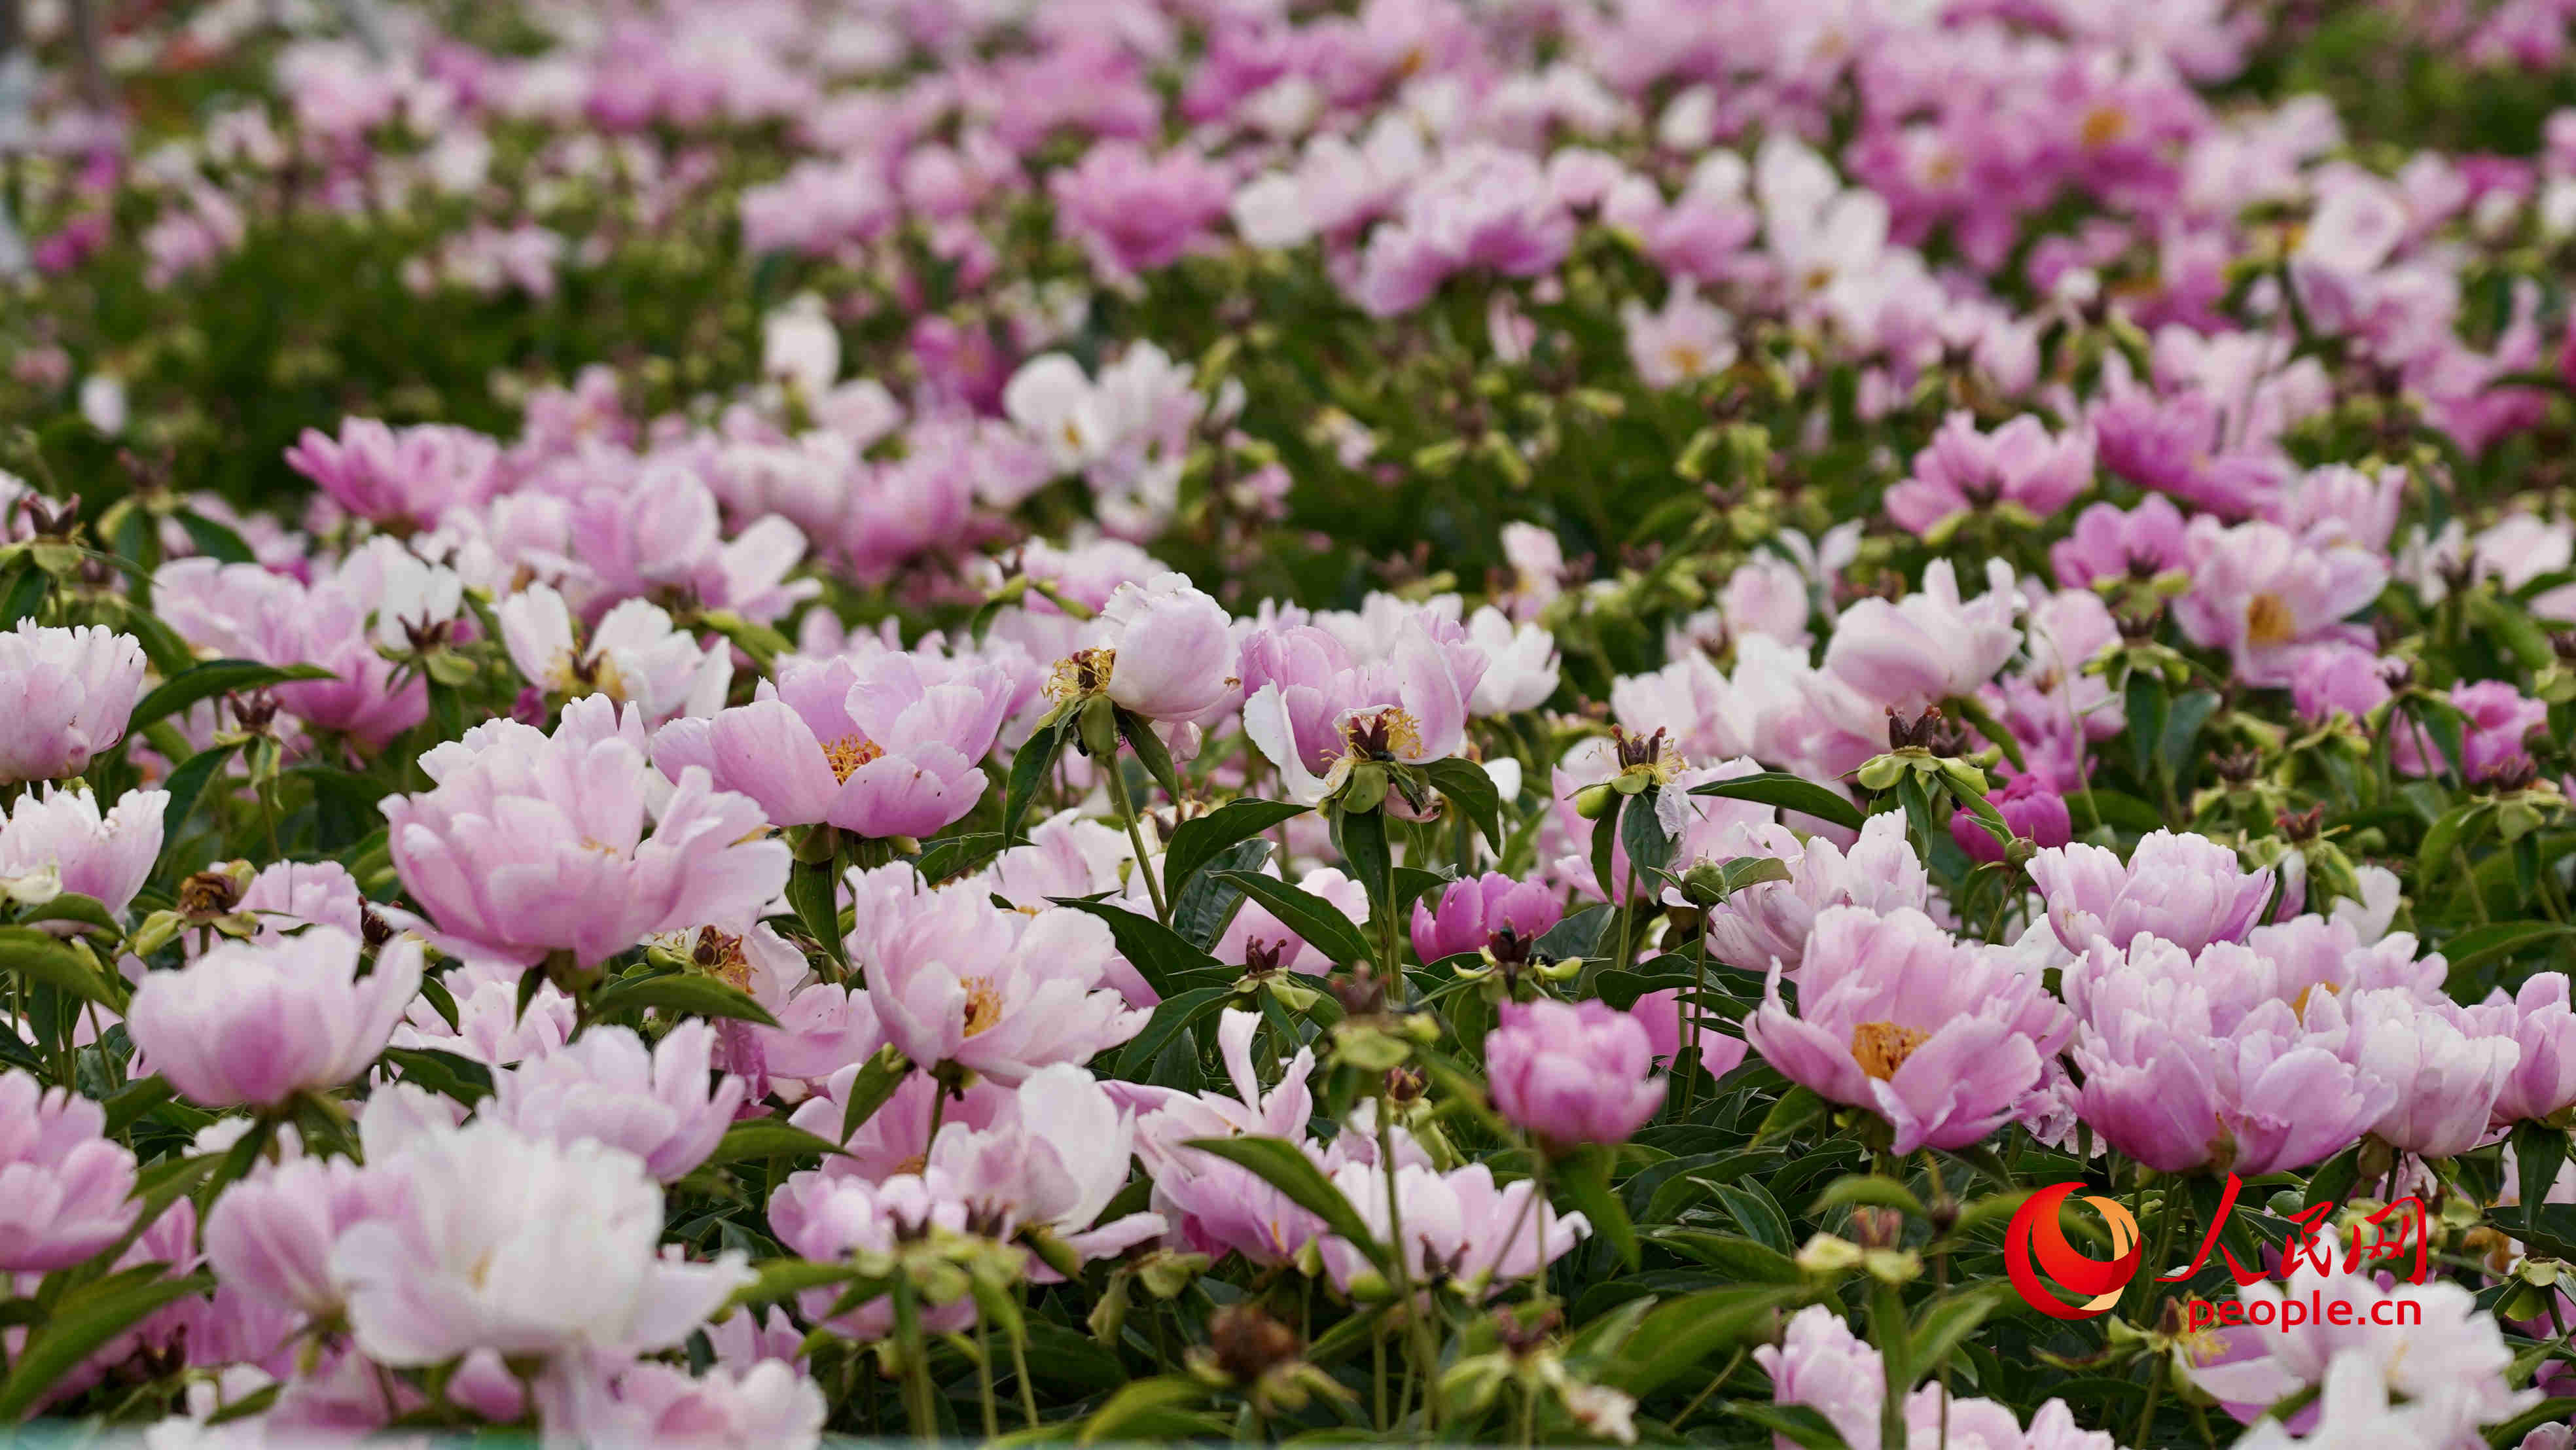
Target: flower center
[848, 753]
[1686, 359]
[2299, 1003]
[914, 1164]
[2103, 125]
[721, 956]
[595, 673]
[2268, 620]
[983, 1005]
[1882, 1047]
[1081, 674]
[1390, 734]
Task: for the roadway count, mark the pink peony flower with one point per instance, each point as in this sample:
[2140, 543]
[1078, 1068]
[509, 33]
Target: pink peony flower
[408, 477]
[66, 1190]
[1572, 1073]
[2017, 466]
[882, 746]
[256, 1023]
[1459, 1228]
[608, 1087]
[2259, 593]
[1170, 653]
[2030, 805]
[1928, 646]
[2109, 545]
[1137, 212]
[66, 694]
[1942, 1039]
[2536, 1016]
[2186, 889]
[270, 1234]
[531, 844]
[1469, 913]
[106, 857]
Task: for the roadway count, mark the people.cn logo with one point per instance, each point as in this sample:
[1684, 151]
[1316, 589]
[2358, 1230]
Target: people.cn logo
[2037, 1255]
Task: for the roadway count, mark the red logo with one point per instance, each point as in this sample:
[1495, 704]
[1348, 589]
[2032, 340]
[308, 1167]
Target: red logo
[2035, 1246]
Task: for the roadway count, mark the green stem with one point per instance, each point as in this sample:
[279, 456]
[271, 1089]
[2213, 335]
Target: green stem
[1691, 1014]
[1417, 1329]
[1135, 836]
[984, 1376]
[916, 1359]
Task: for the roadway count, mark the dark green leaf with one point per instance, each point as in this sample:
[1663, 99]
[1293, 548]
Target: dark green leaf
[874, 1084]
[1151, 753]
[1743, 1260]
[1471, 792]
[1199, 841]
[84, 1320]
[1586, 1177]
[680, 992]
[1029, 769]
[442, 1072]
[187, 783]
[1172, 1016]
[1206, 904]
[1674, 1339]
[1156, 951]
[946, 860]
[214, 540]
[40, 956]
[27, 588]
[214, 677]
[1650, 846]
[1789, 793]
[769, 1138]
[1317, 922]
[2149, 704]
[1280, 1163]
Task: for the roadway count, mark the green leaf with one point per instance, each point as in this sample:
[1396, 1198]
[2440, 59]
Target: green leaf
[214, 677]
[1797, 1106]
[214, 540]
[188, 782]
[1674, 1339]
[1789, 793]
[1743, 1259]
[2547, 1412]
[2480, 945]
[1029, 768]
[2537, 1152]
[814, 892]
[1317, 922]
[1868, 1188]
[1143, 1411]
[1586, 1177]
[681, 992]
[41, 957]
[71, 906]
[1158, 953]
[1472, 792]
[1605, 847]
[1206, 904]
[784, 1279]
[2182, 730]
[442, 1072]
[1151, 753]
[946, 860]
[1361, 838]
[1279, 1163]
[769, 1138]
[875, 1083]
[1650, 846]
[1200, 840]
[1172, 1016]
[1574, 937]
[760, 641]
[2440, 839]
[1798, 1424]
[1756, 1212]
[27, 588]
[84, 1320]
[134, 1100]
[1950, 1318]
[2149, 704]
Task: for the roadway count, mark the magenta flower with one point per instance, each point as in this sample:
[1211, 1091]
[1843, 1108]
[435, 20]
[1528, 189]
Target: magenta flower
[1482, 207]
[2030, 805]
[1472, 912]
[1572, 1073]
[882, 746]
[655, 1104]
[1314, 708]
[66, 1190]
[1928, 646]
[66, 694]
[2186, 889]
[105, 857]
[1166, 650]
[956, 979]
[2500, 719]
[1136, 212]
[2537, 1018]
[2019, 467]
[408, 477]
[2110, 544]
[2173, 1083]
[1942, 1039]
[2259, 593]
[270, 1234]
[257, 1023]
[532, 844]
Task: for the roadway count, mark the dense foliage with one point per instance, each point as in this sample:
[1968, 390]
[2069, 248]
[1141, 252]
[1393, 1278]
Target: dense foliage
[1485, 720]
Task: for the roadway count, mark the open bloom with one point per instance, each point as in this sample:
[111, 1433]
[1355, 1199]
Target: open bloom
[1942, 1039]
[635, 656]
[1570, 1073]
[1469, 913]
[515, 1244]
[1056, 1153]
[2536, 1016]
[2260, 592]
[956, 979]
[2018, 465]
[2186, 889]
[66, 1190]
[61, 832]
[408, 476]
[1769, 921]
[1928, 646]
[531, 844]
[2444, 1074]
[1164, 650]
[65, 695]
[259, 1022]
[1458, 1227]
[1316, 711]
[270, 1235]
[655, 1104]
[880, 746]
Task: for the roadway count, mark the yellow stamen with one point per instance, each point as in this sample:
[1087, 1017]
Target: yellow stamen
[1081, 674]
[983, 1005]
[1882, 1047]
[848, 753]
[2103, 125]
[2268, 620]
